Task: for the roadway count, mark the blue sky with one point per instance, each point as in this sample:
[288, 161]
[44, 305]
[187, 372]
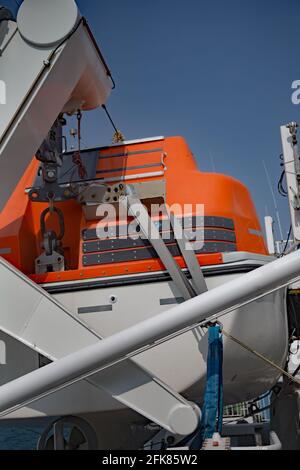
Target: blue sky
[219, 73]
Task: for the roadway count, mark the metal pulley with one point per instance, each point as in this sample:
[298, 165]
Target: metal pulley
[50, 156]
[68, 433]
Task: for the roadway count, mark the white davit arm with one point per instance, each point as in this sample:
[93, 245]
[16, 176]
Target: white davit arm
[49, 64]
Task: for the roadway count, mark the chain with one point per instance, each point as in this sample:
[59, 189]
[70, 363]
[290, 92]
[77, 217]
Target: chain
[51, 204]
[60, 217]
[77, 155]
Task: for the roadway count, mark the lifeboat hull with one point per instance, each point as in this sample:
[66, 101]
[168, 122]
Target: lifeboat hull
[179, 362]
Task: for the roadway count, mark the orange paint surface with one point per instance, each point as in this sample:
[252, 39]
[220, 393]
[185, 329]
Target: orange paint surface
[221, 195]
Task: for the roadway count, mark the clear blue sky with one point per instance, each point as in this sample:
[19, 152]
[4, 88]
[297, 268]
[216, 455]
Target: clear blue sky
[219, 73]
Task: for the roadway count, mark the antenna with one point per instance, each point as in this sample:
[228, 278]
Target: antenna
[274, 199]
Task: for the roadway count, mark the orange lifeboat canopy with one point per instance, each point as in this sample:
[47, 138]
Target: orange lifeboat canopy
[162, 170]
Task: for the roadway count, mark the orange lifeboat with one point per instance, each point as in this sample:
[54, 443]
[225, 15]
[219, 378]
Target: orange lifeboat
[166, 170]
[112, 278]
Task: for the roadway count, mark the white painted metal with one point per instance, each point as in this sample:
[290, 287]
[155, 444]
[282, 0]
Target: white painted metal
[189, 256]
[292, 172]
[113, 423]
[138, 141]
[44, 325]
[149, 229]
[181, 362]
[101, 355]
[7, 31]
[137, 176]
[240, 430]
[243, 257]
[45, 23]
[269, 226]
[41, 82]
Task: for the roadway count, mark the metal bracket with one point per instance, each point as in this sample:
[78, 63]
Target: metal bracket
[189, 256]
[50, 263]
[149, 229]
[53, 191]
[52, 259]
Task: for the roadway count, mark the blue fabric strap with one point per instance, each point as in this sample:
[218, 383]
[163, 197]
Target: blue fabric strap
[212, 411]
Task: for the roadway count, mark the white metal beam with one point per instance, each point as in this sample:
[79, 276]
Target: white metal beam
[119, 346]
[37, 320]
[149, 229]
[189, 256]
